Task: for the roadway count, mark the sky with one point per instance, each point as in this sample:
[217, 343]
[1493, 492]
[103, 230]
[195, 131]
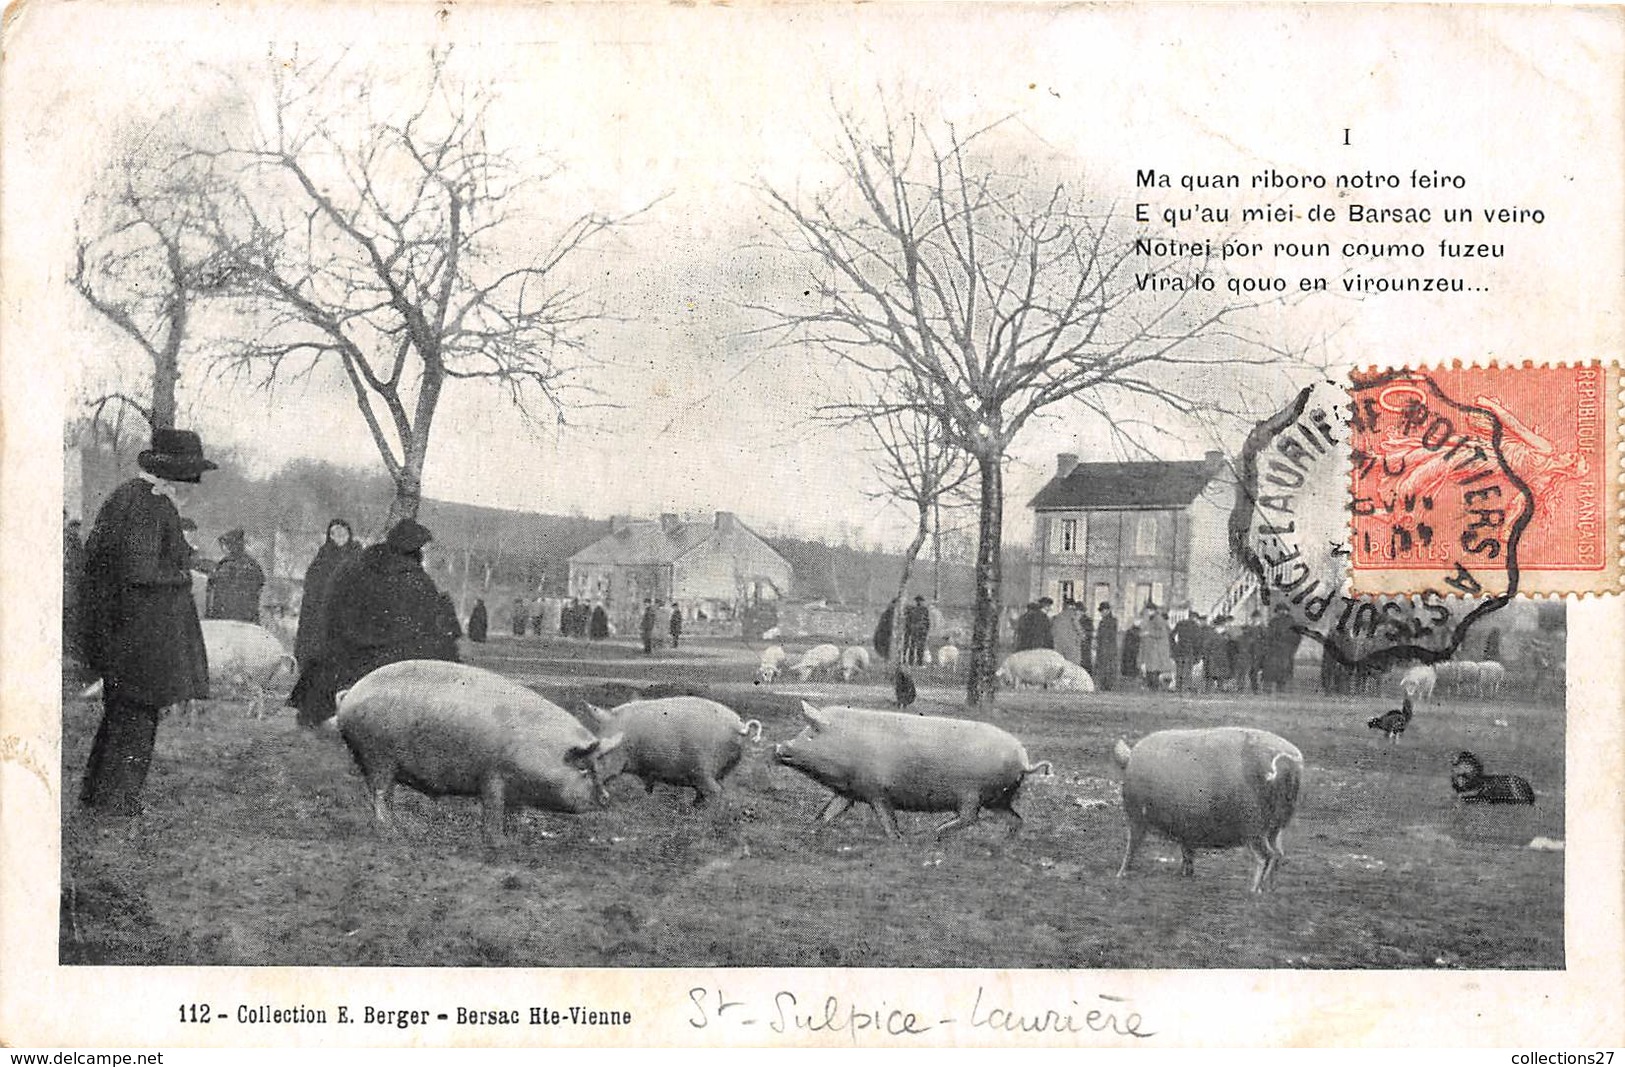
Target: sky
[693, 109]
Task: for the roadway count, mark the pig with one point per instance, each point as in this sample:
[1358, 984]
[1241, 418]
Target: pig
[1211, 788]
[948, 658]
[854, 661]
[244, 654]
[448, 729]
[682, 741]
[243, 658]
[1418, 683]
[816, 658]
[1036, 666]
[895, 762]
[772, 663]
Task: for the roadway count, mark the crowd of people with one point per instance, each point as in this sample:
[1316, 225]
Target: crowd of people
[1192, 655]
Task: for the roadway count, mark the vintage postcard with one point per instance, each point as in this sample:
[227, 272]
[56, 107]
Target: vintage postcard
[822, 525]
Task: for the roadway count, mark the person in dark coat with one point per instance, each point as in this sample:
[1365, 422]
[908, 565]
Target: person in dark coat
[339, 550]
[1280, 648]
[916, 632]
[600, 623]
[1130, 656]
[883, 629]
[646, 627]
[1033, 629]
[139, 629]
[479, 622]
[519, 618]
[73, 572]
[1492, 646]
[1218, 656]
[1106, 649]
[381, 609]
[675, 625]
[1086, 649]
[1187, 640]
[236, 581]
[1250, 653]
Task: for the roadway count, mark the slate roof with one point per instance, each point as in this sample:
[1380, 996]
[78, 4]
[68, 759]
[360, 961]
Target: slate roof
[1099, 486]
[641, 543]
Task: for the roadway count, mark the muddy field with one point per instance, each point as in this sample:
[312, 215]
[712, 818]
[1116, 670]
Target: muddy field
[258, 848]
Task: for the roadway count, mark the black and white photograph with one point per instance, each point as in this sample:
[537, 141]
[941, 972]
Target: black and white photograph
[895, 524]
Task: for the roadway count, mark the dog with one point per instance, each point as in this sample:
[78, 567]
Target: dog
[1468, 779]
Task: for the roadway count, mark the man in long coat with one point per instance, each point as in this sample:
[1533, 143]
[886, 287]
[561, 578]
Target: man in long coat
[1033, 629]
[139, 628]
[916, 632]
[1068, 633]
[235, 582]
[1187, 642]
[1280, 647]
[1106, 649]
[1156, 653]
[383, 609]
[646, 626]
[883, 628]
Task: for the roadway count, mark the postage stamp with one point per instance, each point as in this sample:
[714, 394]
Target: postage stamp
[1492, 480]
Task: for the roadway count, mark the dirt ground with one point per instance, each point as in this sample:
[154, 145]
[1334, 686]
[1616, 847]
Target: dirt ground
[258, 847]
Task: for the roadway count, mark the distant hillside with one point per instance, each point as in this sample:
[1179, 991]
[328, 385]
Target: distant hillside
[481, 551]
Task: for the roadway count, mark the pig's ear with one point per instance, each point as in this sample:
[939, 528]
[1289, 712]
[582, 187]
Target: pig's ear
[814, 716]
[597, 748]
[601, 714]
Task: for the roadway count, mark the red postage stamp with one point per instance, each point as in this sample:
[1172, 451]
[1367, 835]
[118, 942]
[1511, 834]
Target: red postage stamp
[1481, 480]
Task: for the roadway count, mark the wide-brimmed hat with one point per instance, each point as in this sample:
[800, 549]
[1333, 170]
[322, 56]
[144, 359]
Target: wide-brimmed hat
[407, 536]
[175, 456]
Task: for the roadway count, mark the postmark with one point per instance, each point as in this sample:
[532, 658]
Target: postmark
[1296, 521]
[1453, 467]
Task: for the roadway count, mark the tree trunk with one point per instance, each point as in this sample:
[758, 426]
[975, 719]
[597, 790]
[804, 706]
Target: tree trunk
[408, 497]
[902, 589]
[165, 376]
[980, 684]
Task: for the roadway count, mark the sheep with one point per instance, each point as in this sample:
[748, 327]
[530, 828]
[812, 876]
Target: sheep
[816, 658]
[854, 661]
[1418, 683]
[948, 658]
[772, 663]
[1490, 676]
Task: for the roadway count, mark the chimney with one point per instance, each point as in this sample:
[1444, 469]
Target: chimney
[669, 523]
[1064, 463]
[619, 523]
[725, 522]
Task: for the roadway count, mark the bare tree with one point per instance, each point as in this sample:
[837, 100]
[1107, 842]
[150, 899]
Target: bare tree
[140, 262]
[1001, 296]
[388, 239]
[917, 465]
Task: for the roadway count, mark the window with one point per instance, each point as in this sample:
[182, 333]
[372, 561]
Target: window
[1069, 535]
[1068, 592]
[1102, 595]
[1142, 597]
[1145, 536]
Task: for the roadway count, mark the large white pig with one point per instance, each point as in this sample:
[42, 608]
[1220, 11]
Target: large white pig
[816, 658]
[682, 741]
[1211, 788]
[1042, 667]
[244, 655]
[895, 762]
[448, 729]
